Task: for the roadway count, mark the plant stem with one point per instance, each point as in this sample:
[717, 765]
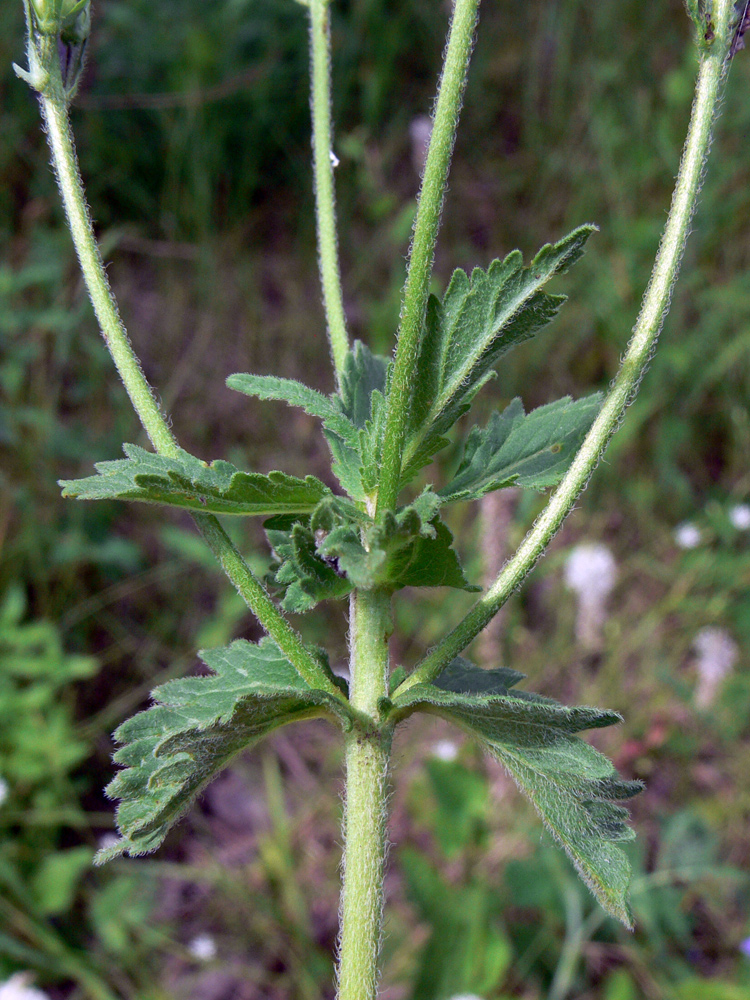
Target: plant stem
[65, 162]
[625, 386]
[427, 223]
[367, 760]
[325, 202]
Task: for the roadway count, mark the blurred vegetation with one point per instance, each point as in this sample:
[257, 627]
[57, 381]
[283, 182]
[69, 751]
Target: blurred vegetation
[193, 135]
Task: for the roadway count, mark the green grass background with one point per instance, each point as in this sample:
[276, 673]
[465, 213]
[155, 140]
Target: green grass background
[193, 135]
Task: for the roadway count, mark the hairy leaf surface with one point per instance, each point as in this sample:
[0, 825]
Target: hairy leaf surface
[287, 390]
[342, 548]
[516, 449]
[352, 421]
[171, 751]
[189, 483]
[479, 319]
[572, 786]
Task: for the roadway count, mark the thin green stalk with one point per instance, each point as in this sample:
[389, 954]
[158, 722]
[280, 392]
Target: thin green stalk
[417, 287]
[54, 112]
[625, 386]
[367, 761]
[325, 200]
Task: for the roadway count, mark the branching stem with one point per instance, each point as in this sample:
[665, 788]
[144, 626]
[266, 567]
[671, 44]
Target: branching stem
[325, 202]
[54, 112]
[625, 386]
[417, 287]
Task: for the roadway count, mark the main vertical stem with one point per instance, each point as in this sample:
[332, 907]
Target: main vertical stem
[365, 810]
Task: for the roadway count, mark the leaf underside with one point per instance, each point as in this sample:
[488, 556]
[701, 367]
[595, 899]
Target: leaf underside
[198, 724]
[572, 786]
[189, 483]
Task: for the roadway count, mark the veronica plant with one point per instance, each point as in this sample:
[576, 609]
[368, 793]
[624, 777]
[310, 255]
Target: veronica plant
[384, 422]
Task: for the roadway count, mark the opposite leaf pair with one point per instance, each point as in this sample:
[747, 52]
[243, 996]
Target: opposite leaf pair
[199, 724]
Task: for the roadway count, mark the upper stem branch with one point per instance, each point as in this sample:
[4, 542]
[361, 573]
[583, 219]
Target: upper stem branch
[141, 395]
[426, 227]
[325, 203]
[625, 386]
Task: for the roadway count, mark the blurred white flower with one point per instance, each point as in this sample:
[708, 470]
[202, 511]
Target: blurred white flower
[717, 654]
[466, 996]
[203, 947]
[688, 535]
[4, 790]
[591, 572]
[108, 840]
[420, 133]
[445, 750]
[17, 988]
[739, 516]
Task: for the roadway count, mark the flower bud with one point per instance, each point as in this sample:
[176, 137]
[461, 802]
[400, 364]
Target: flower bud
[68, 18]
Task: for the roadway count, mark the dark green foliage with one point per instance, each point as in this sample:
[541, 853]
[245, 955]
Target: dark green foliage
[478, 320]
[196, 727]
[572, 786]
[187, 482]
[515, 449]
[341, 548]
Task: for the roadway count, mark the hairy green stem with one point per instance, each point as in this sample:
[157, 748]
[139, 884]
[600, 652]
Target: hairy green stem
[625, 386]
[367, 761]
[417, 287]
[54, 112]
[325, 202]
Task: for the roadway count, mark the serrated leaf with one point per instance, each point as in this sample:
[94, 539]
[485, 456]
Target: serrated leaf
[571, 785]
[171, 751]
[189, 483]
[287, 390]
[342, 548]
[516, 449]
[352, 421]
[479, 319]
[364, 373]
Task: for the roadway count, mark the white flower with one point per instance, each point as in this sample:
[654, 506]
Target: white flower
[445, 750]
[466, 996]
[717, 654]
[688, 535]
[108, 840]
[4, 790]
[202, 947]
[17, 988]
[739, 516]
[591, 572]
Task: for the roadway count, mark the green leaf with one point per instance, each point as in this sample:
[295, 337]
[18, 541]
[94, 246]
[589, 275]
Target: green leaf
[570, 784]
[55, 881]
[479, 319]
[364, 373]
[342, 548]
[326, 408]
[171, 751]
[352, 422]
[516, 449]
[192, 484]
